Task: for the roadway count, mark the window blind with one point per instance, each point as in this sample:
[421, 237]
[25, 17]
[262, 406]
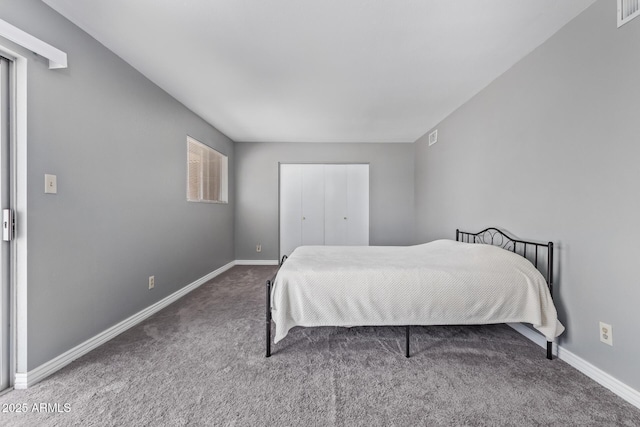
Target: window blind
[207, 178]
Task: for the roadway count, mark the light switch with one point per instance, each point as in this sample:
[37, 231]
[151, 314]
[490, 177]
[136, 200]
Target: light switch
[50, 184]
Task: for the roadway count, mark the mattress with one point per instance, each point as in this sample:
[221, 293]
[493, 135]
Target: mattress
[443, 282]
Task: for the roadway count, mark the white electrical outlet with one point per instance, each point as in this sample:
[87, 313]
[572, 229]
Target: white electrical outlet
[152, 281]
[258, 248]
[606, 333]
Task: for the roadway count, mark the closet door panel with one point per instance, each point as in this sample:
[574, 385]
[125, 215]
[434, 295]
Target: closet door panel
[358, 205]
[313, 204]
[290, 208]
[335, 205]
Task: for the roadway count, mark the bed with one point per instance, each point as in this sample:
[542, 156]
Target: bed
[480, 278]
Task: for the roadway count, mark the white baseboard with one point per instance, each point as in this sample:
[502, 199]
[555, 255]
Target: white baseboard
[20, 381]
[598, 375]
[534, 336]
[257, 262]
[24, 380]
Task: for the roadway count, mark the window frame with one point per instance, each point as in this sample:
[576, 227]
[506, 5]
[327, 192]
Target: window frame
[223, 176]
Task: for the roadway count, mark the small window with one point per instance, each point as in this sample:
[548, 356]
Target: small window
[207, 174]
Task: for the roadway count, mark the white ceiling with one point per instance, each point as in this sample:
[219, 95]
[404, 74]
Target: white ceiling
[321, 70]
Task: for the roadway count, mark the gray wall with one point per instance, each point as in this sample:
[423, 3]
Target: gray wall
[391, 218]
[550, 151]
[118, 146]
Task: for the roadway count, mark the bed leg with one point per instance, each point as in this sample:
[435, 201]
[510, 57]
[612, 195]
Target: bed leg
[406, 352]
[268, 320]
[549, 348]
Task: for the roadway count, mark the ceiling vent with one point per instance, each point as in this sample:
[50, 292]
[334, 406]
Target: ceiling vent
[627, 10]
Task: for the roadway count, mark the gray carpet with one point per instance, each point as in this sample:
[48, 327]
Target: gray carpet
[201, 362]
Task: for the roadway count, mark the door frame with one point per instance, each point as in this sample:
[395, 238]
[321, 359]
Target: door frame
[18, 362]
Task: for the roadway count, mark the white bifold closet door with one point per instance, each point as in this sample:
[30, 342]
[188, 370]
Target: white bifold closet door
[312, 204]
[335, 205]
[290, 208]
[323, 204]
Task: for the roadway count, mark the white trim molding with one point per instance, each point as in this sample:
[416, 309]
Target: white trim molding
[23, 380]
[598, 375]
[56, 57]
[256, 262]
[534, 336]
[20, 381]
[18, 195]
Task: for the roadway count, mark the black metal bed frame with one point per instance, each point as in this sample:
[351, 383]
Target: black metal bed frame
[489, 236]
[493, 236]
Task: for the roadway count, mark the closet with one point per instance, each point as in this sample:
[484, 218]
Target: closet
[323, 204]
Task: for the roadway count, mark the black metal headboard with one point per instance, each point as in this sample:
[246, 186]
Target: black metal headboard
[493, 236]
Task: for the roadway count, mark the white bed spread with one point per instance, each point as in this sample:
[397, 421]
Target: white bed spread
[439, 283]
